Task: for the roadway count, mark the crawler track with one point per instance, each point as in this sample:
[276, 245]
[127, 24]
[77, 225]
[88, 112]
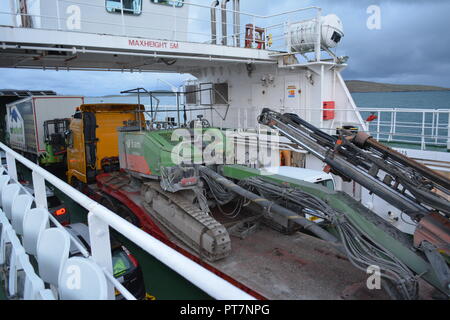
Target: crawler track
[195, 228]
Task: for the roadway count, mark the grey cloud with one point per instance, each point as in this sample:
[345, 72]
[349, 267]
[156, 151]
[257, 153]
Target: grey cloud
[411, 47]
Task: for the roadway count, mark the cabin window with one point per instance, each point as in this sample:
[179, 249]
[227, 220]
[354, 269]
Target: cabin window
[220, 93]
[191, 94]
[329, 184]
[129, 6]
[336, 37]
[176, 3]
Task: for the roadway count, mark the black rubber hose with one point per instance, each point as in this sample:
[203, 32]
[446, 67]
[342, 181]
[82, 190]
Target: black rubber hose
[272, 207]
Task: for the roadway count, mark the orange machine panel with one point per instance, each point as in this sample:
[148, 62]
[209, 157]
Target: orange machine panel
[329, 110]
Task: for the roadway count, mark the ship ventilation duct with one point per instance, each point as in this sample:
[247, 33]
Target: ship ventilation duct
[214, 5]
[237, 21]
[224, 22]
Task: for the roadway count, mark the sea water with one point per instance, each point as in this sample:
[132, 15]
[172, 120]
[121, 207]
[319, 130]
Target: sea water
[410, 100]
[409, 126]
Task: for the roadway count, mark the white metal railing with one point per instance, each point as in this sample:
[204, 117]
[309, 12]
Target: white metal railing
[275, 26]
[424, 127]
[99, 221]
[421, 127]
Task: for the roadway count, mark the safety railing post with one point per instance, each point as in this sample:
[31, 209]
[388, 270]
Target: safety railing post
[101, 247]
[238, 24]
[123, 17]
[438, 119]
[394, 130]
[266, 38]
[254, 33]
[448, 132]
[58, 17]
[423, 144]
[433, 124]
[13, 5]
[174, 38]
[289, 35]
[379, 126]
[392, 127]
[317, 46]
[12, 169]
[40, 192]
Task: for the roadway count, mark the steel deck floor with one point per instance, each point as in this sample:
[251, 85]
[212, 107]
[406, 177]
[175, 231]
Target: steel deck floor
[297, 267]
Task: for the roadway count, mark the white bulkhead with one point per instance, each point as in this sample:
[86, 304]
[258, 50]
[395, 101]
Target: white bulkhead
[301, 90]
[142, 18]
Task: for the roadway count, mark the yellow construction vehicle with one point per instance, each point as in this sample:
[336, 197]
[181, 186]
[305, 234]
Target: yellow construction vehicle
[93, 146]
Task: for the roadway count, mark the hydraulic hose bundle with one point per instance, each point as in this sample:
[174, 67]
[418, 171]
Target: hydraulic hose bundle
[362, 251]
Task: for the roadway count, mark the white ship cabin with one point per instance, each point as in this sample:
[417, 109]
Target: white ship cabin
[243, 62]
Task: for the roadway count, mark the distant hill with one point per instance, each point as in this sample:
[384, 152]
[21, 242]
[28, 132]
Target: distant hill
[365, 86]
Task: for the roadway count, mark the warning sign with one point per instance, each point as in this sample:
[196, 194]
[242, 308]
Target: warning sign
[292, 91]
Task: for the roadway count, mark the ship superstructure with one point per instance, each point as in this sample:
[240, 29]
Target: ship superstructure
[243, 64]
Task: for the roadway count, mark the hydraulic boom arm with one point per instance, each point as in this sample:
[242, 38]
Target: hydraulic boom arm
[403, 182]
[399, 180]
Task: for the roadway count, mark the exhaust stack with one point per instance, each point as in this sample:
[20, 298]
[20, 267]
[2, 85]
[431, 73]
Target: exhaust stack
[214, 5]
[224, 22]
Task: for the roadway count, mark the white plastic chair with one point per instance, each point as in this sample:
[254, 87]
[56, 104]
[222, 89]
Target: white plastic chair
[33, 285]
[45, 294]
[5, 226]
[52, 252]
[17, 255]
[82, 279]
[3, 218]
[9, 194]
[35, 222]
[20, 206]
[4, 180]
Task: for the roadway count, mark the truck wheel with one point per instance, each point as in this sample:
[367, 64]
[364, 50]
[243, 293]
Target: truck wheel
[108, 203]
[128, 215]
[119, 209]
[77, 184]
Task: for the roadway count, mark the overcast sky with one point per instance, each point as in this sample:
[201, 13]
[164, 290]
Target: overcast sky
[412, 47]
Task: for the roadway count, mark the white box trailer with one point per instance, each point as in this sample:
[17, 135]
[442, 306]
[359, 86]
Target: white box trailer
[25, 120]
